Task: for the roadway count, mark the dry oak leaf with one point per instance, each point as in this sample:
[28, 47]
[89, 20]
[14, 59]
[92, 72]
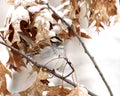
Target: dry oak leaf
[3, 85]
[75, 9]
[58, 91]
[15, 61]
[11, 33]
[101, 10]
[77, 92]
[28, 29]
[84, 35]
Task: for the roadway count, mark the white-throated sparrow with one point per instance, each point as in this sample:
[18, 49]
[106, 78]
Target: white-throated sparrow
[50, 54]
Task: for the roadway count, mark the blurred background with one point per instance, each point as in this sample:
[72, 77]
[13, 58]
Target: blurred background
[104, 47]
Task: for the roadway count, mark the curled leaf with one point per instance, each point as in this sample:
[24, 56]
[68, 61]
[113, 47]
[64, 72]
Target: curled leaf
[84, 35]
[58, 91]
[3, 85]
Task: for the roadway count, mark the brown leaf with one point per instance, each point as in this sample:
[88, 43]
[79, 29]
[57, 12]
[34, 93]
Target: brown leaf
[101, 12]
[75, 9]
[11, 33]
[29, 30]
[31, 16]
[64, 35]
[58, 91]
[77, 92]
[45, 81]
[42, 34]
[70, 33]
[15, 61]
[111, 7]
[84, 35]
[76, 26]
[23, 25]
[33, 32]
[51, 26]
[10, 61]
[3, 85]
[17, 57]
[55, 17]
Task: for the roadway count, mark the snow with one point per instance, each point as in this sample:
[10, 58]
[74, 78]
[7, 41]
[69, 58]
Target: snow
[19, 14]
[36, 8]
[104, 47]
[4, 55]
[21, 80]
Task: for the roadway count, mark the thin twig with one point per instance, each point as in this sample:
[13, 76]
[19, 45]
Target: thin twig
[41, 66]
[86, 50]
[38, 65]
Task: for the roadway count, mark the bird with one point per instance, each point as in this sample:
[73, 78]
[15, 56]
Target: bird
[49, 55]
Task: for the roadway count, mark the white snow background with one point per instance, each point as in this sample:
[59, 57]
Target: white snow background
[104, 47]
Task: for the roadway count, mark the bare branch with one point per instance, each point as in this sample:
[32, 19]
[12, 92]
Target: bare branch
[40, 66]
[86, 50]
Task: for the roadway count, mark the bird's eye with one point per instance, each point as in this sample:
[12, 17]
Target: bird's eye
[56, 41]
